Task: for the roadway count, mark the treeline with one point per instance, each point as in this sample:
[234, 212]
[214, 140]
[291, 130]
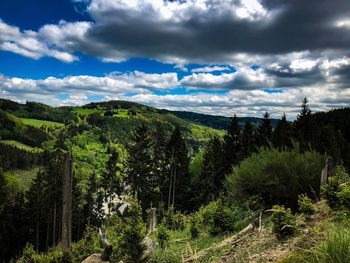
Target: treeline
[12, 157]
[326, 135]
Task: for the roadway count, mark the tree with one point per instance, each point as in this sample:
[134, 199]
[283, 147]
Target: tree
[212, 176]
[247, 138]
[111, 177]
[160, 161]
[282, 135]
[177, 154]
[139, 171]
[232, 146]
[264, 131]
[305, 128]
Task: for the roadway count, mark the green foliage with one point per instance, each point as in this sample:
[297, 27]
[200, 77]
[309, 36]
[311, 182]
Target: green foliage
[132, 234]
[162, 236]
[223, 219]
[305, 205]
[194, 227]
[164, 256]
[337, 189]
[335, 249]
[276, 176]
[218, 217]
[283, 221]
[53, 255]
[174, 220]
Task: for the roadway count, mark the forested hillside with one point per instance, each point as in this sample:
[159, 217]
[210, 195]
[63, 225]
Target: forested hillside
[206, 177]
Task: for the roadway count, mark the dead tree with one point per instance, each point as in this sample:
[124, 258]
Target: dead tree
[67, 202]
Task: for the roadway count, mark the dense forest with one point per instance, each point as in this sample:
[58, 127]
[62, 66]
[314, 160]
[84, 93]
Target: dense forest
[208, 178]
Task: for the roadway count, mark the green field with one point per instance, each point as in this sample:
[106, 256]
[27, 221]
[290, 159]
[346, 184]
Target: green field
[21, 145]
[39, 123]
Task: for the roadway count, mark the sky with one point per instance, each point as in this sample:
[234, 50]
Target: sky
[218, 57]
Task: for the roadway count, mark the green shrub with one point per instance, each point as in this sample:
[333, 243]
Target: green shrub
[335, 249]
[194, 227]
[283, 221]
[174, 220]
[276, 177]
[53, 255]
[162, 236]
[223, 220]
[337, 189]
[305, 205]
[130, 243]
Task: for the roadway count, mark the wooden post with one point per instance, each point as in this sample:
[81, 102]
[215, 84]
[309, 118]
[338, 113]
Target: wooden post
[152, 219]
[67, 202]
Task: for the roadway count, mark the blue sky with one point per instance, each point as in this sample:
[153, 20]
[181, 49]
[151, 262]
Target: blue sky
[180, 55]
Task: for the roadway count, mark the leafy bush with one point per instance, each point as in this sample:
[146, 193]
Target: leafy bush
[276, 177]
[337, 190]
[223, 220]
[335, 249]
[132, 235]
[305, 205]
[283, 221]
[174, 220]
[54, 255]
[162, 236]
[194, 227]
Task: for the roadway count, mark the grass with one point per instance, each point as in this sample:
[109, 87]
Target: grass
[21, 145]
[38, 123]
[25, 177]
[181, 245]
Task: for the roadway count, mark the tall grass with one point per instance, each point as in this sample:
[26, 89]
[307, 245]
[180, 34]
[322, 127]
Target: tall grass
[334, 249]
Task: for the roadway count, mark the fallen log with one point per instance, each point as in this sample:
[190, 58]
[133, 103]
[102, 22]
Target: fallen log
[227, 241]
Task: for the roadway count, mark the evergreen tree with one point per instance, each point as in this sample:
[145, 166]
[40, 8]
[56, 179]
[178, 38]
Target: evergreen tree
[248, 142]
[139, 171]
[160, 161]
[179, 180]
[282, 134]
[305, 128]
[232, 146]
[111, 181]
[264, 131]
[212, 176]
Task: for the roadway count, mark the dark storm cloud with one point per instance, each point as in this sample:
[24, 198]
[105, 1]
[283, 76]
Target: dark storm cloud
[213, 34]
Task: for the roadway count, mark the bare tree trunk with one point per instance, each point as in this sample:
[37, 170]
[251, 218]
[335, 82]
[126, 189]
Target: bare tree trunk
[67, 203]
[47, 233]
[37, 234]
[174, 186]
[54, 225]
[170, 181]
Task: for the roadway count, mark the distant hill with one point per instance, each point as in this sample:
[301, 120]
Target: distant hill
[216, 122]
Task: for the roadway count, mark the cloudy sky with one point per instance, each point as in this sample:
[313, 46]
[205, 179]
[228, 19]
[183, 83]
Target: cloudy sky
[211, 56]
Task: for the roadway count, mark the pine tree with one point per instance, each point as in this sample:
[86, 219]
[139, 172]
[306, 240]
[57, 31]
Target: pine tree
[111, 181]
[232, 146]
[160, 161]
[264, 131]
[247, 138]
[139, 171]
[282, 134]
[177, 154]
[305, 128]
[211, 177]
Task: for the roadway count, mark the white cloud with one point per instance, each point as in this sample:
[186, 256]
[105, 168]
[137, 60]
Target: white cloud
[211, 69]
[30, 44]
